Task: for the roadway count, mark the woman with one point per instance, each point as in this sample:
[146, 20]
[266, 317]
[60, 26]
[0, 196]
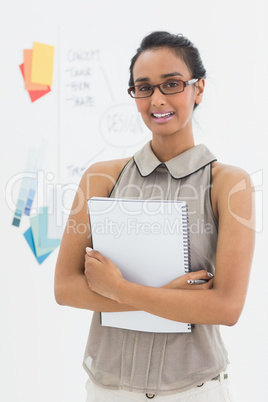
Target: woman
[167, 81]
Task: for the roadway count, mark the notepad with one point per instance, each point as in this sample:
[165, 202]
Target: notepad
[148, 241]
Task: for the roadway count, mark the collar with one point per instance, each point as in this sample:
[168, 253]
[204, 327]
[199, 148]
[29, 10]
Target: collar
[182, 165]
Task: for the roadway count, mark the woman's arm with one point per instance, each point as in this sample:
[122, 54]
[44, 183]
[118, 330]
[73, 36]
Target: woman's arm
[71, 287]
[233, 205]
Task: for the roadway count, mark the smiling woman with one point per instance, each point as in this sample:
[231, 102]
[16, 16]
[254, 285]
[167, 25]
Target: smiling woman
[167, 81]
[168, 106]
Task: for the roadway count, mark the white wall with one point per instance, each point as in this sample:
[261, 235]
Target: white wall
[42, 344]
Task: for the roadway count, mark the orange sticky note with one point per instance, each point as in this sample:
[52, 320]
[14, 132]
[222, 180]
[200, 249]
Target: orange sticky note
[27, 73]
[34, 95]
[42, 64]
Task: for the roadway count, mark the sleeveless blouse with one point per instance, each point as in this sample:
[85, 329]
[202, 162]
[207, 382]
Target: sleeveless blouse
[163, 363]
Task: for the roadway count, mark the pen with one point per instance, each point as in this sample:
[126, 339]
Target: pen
[196, 281]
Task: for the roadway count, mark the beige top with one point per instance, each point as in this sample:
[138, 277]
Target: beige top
[155, 362]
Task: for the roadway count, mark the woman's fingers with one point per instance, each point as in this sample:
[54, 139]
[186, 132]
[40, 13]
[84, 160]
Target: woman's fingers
[202, 274]
[201, 278]
[94, 254]
[188, 281]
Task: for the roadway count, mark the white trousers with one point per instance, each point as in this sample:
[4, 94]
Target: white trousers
[211, 391]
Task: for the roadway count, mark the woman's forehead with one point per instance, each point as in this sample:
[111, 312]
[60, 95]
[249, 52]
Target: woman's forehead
[159, 62]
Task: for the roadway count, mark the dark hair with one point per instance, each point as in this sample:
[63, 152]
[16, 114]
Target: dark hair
[181, 46]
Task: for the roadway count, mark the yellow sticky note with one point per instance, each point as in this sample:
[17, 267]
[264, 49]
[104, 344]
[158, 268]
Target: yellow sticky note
[29, 86]
[42, 64]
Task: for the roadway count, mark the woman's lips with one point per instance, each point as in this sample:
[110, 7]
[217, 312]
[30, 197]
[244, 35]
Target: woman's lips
[162, 117]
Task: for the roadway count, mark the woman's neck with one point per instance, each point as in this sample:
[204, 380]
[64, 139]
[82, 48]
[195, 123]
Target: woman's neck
[166, 148]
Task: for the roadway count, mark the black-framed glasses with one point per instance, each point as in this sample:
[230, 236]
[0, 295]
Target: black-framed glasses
[170, 87]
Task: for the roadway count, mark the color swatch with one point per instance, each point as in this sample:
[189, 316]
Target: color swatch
[33, 186]
[28, 188]
[29, 238]
[36, 236]
[44, 240]
[37, 70]
[26, 193]
[37, 232]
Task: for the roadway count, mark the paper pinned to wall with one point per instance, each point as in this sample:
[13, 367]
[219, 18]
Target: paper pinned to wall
[29, 86]
[36, 231]
[34, 95]
[26, 185]
[44, 241]
[42, 64]
[29, 238]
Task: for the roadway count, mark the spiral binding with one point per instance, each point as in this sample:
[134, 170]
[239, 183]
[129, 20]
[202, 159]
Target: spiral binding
[186, 239]
[186, 246]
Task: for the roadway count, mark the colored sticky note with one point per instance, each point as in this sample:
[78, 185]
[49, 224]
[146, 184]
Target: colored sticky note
[29, 86]
[34, 95]
[29, 238]
[36, 230]
[42, 64]
[44, 241]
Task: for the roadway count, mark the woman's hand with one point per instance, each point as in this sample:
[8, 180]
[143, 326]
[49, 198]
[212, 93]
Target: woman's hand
[103, 276]
[184, 281]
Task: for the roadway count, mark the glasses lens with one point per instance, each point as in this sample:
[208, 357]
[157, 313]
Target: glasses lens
[141, 91]
[172, 87]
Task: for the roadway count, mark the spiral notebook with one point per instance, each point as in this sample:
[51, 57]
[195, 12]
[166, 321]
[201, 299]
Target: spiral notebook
[148, 240]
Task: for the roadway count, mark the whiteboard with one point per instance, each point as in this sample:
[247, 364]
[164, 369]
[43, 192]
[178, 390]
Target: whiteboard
[43, 343]
[98, 119]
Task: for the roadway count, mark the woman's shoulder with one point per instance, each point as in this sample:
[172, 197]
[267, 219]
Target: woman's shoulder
[100, 177]
[113, 166]
[223, 174]
[229, 184]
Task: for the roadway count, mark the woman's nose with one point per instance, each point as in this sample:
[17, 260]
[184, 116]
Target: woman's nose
[157, 98]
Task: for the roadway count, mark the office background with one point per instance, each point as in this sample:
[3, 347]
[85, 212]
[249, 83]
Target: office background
[86, 116]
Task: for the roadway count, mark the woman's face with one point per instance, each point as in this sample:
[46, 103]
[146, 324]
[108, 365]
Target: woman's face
[166, 114]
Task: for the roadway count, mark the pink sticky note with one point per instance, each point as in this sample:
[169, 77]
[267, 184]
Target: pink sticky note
[34, 95]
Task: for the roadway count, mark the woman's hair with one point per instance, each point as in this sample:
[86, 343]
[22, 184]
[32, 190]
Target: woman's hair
[179, 44]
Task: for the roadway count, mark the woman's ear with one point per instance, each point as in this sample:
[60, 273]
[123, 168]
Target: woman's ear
[199, 88]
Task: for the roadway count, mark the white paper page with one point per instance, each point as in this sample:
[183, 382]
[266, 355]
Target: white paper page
[145, 239]
[142, 321]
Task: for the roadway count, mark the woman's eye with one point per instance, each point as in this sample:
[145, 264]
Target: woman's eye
[171, 84]
[144, 88]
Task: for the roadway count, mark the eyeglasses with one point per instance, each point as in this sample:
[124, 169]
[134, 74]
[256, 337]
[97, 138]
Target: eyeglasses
[166, 88]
